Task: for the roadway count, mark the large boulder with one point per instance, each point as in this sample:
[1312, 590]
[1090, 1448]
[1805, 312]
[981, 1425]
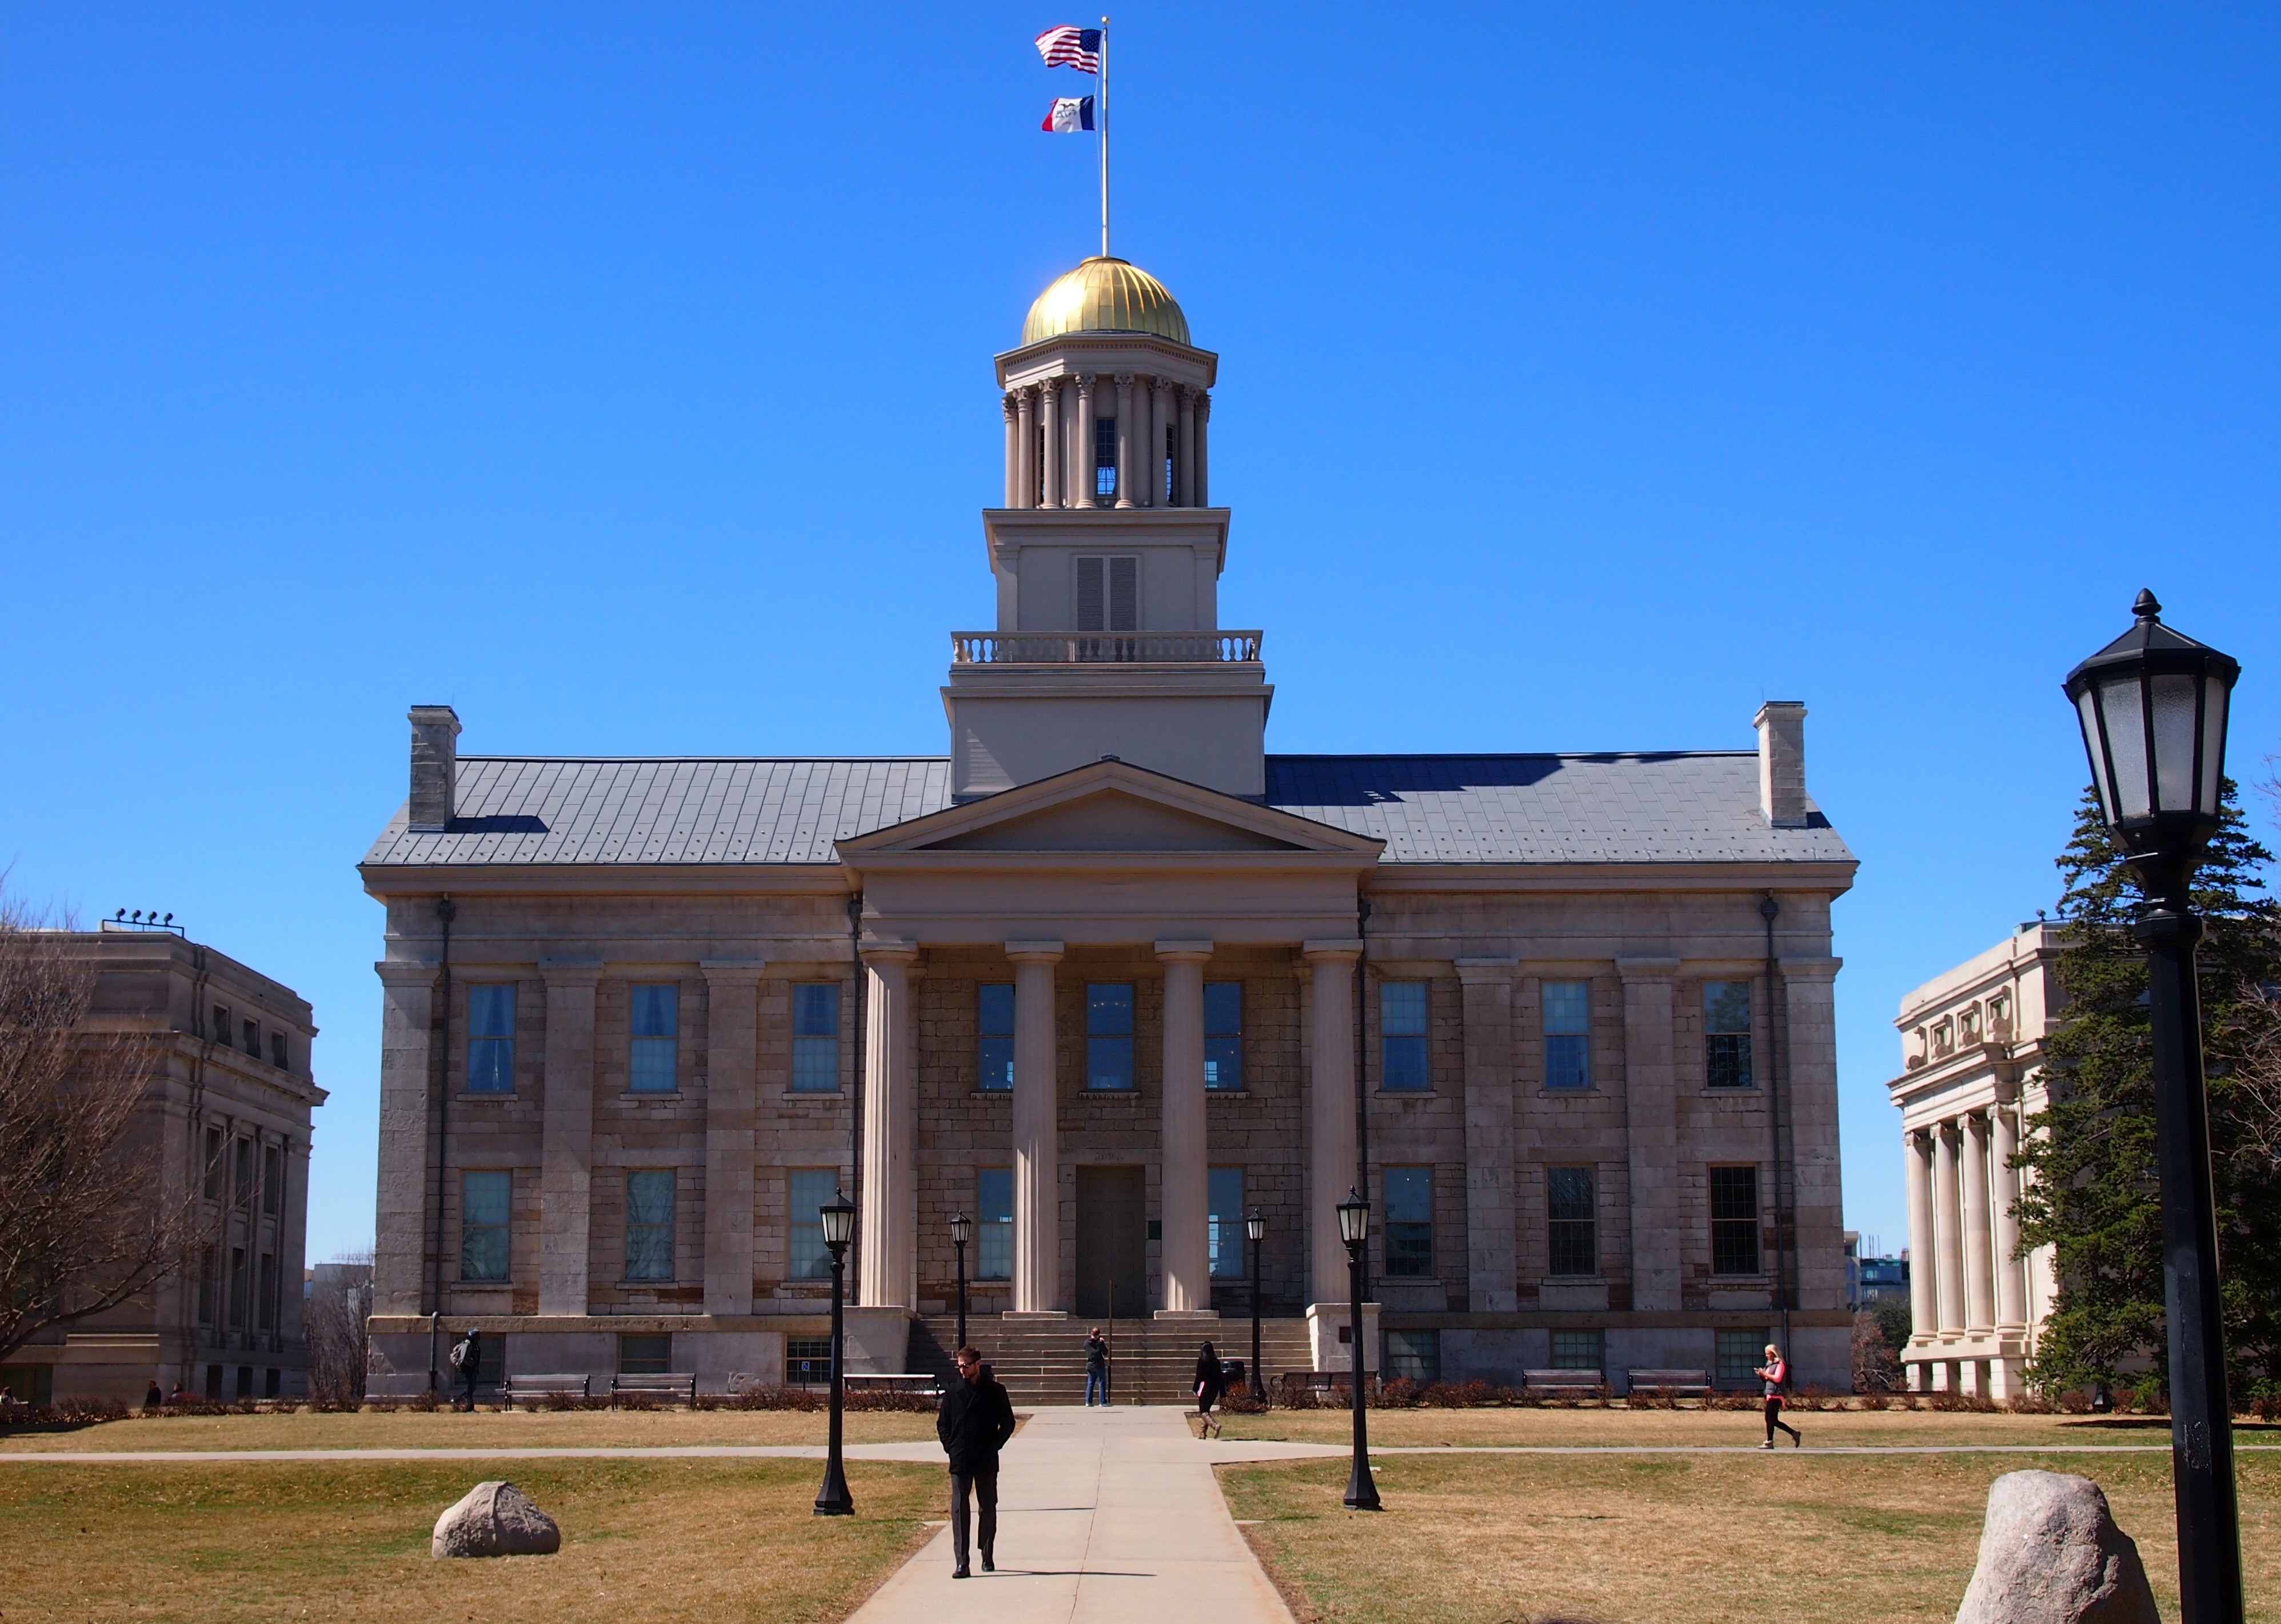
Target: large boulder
[495, 1520]
[2049, 1553]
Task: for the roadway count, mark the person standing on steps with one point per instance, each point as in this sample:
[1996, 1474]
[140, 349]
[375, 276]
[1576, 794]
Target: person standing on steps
[1097, 1367]
[1775, 1374]
[976, 1420]
[1211, 1383]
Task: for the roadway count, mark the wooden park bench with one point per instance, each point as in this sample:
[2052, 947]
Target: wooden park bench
[1298, 1381]
[557, 1385]
[1567, 1383]
[895, 1381]
[1677, 1383]
[679, 1385]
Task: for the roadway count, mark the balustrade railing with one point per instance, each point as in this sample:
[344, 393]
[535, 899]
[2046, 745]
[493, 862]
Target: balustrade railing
[1103, 647]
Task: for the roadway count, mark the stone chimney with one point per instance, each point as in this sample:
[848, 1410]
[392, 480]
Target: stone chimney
[1782, 762]
[434, 765]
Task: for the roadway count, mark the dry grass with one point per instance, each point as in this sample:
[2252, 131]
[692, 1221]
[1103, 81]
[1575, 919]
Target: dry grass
[1701, 1428]
[649, 1539]
[407, 1430]
[1707, 1540]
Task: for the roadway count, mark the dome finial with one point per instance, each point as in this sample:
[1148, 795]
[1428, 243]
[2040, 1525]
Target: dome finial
[2145, 607]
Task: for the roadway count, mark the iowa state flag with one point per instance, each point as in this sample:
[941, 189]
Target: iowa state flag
[1069, 113]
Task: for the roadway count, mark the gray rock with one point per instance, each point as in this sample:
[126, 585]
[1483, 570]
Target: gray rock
[2049, 1553]
[495, 1520]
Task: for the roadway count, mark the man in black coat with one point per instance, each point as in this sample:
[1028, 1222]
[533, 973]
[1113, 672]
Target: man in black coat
[976, 1420]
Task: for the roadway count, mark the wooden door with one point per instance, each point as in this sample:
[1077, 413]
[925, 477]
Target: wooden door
[1111, 1243]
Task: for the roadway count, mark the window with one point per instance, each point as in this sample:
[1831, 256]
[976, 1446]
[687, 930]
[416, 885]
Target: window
[807, 1360]
[220, 1034]
[252, 1035]
[1416, 1355]
[655, 1021]
[1224, 1034]
[241, 1184]
[484, 1207]
[649, 1224]
[1578, 1350]
[277, 1050]
[1104, 458]
[238, 1285]
[993, 1021]
[1567, 1034]
[994, 1224]
[1402, 1035]
[490, 1038]
[1740, 1354]
[649, 1355]
[1224, 1221]
[273, 1180]
[1408, 1224]
[1726, 1033]
[815, 1037]
[214, 1164]
[1109, 1034]
[1570, 1212]
[1109, 594]
[1734, 1220]
[209, 1283]
[810, 1188]
[1172, 461]
[264, 1306]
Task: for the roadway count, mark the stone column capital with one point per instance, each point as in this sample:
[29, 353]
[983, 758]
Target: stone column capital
[1203, 403]
[1009, 404]
[1084, 382]
[1125, 380]
[1331, 949]
[1809, 968]
[1184, 952]
[1474, 972]
[876, 950]
[1648, 970]
[1034, 952]
[418, 974]
[569, 973]
[732, 973]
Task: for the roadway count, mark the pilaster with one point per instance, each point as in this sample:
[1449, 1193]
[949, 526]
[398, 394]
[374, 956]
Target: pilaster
[732, 991]
[1331, 1112]
[567, 1137]
[1492, 1261]
[405, 1213]
[889, 1253]
[1652, 1129]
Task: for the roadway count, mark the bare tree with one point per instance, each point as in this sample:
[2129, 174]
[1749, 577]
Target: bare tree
[86, 1219]
[340, 1301]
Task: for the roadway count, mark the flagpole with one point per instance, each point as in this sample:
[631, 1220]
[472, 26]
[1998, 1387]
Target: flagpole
[1105, 138]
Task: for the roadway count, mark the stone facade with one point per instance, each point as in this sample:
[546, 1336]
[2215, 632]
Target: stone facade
[1108, 818]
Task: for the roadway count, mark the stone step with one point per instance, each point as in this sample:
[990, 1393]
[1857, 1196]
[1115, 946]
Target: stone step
[1153, 1360]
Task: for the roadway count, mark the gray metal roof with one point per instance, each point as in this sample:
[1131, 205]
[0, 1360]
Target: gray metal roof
[1680, 807]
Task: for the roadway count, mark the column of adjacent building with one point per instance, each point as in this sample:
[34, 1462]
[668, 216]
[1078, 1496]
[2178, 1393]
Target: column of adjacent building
[888, 1253]
[1492, 1257]
[1965, 1276]
[1184, 1197]
[2011, 1268]
[1331, 1115]
[1036, 1130]
[405, 1215]
[1652, 1129]
[1978, 1237]
[567, 1137]
[1924, 1272]
[1948, 1233]
[733, 996]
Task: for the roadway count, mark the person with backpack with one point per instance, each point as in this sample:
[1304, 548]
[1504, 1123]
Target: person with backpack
[1775, 1374]
[466, 1360]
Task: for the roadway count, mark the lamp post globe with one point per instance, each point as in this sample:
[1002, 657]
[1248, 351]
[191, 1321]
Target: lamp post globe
[2153, 709]
[837, 1218]
[962, 1231]
[1255, 1230]
[1354, 1229]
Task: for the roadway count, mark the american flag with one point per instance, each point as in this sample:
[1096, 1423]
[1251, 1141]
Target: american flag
[1071, 46]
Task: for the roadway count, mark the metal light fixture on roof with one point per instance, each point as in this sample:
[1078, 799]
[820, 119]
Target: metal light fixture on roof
[838, 1217]
[1354, 1219]
[961, 1228]
[1255, 1226]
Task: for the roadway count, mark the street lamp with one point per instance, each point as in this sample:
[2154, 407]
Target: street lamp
[1254, 1229]
[962, 1231]
[2153, 706]
[838, 1217]
[1354, 1229]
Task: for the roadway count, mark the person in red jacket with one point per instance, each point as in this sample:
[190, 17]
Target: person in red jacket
[1776, 1374]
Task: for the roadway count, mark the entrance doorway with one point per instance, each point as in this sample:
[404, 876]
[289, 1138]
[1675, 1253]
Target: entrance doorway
[1111, 1241]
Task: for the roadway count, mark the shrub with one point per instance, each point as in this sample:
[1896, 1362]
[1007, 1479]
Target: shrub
[1878, 1401]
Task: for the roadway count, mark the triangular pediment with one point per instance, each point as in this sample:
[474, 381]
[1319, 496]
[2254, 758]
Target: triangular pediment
[1109, 807]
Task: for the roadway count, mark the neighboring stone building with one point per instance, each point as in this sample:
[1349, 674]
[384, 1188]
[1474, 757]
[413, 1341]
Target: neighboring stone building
[1101, 978]
[231, 1103]
[1972, 1044]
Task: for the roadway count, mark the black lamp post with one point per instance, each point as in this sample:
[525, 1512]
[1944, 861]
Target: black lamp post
[2153, 705]
[1354, 1229]
[838, 1215]
[962, 1231]
[1255, 1230]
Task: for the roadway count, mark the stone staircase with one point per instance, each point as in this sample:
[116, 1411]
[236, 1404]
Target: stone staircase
[1042, 1362]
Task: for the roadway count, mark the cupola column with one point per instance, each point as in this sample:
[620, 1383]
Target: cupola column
[1025, 449]
[1160, 426]
[1203, 449]
[1125, 440]
[1013, 451]
[1049, 399]
[1082, 478]
[1184, 466]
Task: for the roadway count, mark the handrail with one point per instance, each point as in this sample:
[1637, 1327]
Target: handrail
[1104, 647]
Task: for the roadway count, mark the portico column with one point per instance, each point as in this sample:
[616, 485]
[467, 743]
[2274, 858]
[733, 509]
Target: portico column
[2011, 1268]
[1185, 1188]
[1184, 469]
[890, 1217]
[732, 993]
[1049, 398]
[1125, 440]
[1026, 454]
[1924, 1273]
[1203, 450]
[1331, 1114]
[401, 1258]
[1979, 1287]
[1013, 450]
[567, 1137]
[1082, 480]
[1492, 1262]
[1651, 1116]
[1948, 1235]
[1037, 1131]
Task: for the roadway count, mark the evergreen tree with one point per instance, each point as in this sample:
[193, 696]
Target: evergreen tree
[2093, 1193]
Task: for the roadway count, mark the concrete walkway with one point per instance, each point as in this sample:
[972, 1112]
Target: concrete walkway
[1101, 1514]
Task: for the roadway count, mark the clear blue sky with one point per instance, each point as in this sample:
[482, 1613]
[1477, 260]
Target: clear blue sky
[621, 376]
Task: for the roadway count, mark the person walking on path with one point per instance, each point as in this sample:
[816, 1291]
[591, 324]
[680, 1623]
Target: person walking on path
[1097, 1367]
[1776, 1374]
[976, 1420]
[466, 1359]
[1211, 1382]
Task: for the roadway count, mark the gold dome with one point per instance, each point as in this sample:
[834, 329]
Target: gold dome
[1106, 296]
